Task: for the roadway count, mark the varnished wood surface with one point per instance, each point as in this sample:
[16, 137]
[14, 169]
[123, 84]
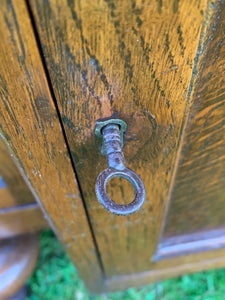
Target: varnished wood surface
[16, 191]
[132, 60]
[18, 257]
[198, 198]
[31, 130]
[20, 220]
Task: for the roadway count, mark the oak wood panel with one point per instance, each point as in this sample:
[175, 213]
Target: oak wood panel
[132, 60]
[20, 220]
[16, 192]
[30, 128]
[198, 197]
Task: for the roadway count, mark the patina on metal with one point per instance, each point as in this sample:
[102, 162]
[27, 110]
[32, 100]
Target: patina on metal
[103, 123]
[112, 136]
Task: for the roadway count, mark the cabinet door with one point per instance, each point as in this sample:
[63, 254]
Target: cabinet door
[158, 66]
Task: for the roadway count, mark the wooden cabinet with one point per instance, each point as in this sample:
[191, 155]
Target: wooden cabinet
[157, 65]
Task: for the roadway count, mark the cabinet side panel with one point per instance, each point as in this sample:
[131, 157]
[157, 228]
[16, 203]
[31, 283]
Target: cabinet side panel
[198, 197]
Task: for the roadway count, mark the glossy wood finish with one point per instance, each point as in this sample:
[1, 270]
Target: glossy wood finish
[20, 220]
[18, 257]
[132, 60]
[31, 130]
[198, 197]
[15, 192]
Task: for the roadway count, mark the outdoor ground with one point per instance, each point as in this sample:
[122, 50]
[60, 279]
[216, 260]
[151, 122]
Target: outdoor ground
[55, 278]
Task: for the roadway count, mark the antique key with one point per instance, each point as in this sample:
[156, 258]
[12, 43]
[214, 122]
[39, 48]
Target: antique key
[112, 132]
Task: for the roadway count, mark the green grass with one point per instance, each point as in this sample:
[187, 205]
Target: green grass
[56, 278]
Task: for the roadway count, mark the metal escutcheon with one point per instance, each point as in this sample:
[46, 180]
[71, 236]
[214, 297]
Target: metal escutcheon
[112, 132]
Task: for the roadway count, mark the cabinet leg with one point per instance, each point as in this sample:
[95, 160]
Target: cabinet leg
[18, 257]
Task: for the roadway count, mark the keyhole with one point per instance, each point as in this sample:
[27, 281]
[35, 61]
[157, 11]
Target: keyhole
[120, 190]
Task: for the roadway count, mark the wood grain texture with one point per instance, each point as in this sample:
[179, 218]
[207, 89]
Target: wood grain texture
[21, 220]
[16, 192]
[31, 130]
[132, 60]
[198, 197]
[18, 257]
